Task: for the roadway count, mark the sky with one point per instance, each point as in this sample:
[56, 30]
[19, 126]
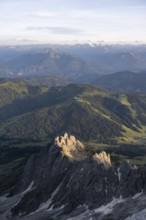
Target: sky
[72, 21]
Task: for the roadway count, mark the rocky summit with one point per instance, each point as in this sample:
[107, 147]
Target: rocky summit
[64, 182]
[71, 147]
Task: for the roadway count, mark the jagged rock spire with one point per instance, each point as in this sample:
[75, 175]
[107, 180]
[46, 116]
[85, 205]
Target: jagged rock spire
[57, 186]
[74, 149]
[103, 158]
[71, 147]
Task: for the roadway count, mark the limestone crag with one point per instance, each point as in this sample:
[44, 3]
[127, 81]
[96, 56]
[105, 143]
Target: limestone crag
[63, 177]
[71, 147]
[103, 158]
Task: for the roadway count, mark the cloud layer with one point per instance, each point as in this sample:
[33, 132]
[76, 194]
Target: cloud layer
[73, 20]
[57, 30]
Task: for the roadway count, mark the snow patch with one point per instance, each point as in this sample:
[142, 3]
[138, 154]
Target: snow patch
[119, 174]
[106, 209]
[69, 181]
[138, 216]
[46, 205]
[137, 195]
[28, 189]
[83, 214]
[22, 194]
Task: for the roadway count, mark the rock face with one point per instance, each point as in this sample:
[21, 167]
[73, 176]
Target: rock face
[64, 178]
[103, 158]
[71, 147]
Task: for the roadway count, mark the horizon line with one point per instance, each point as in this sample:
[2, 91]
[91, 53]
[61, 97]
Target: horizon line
[25, 42]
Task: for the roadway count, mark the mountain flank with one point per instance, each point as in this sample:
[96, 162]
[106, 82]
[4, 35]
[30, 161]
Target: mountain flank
[90, 113]
[124, 80]
[58, 185]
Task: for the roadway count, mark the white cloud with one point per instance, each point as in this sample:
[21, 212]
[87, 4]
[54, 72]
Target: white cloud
[82, 19]
[57, 30]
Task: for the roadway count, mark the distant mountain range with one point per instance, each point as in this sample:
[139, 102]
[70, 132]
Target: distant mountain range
[51, 63]
[81, 63]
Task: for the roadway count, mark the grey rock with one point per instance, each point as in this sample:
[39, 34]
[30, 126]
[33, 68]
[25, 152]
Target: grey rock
[64, 182]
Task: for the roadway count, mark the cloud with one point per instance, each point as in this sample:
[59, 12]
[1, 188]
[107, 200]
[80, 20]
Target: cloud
[58, 30]
[78, 19]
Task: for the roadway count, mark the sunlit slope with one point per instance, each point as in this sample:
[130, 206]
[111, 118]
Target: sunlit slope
[90, 113]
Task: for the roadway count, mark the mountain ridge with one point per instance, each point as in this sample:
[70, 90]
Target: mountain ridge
[43, 112]
[52, 63]
[125, 80]
[84, 62]
[53, 186]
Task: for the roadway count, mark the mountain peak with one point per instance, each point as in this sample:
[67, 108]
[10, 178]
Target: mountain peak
[75, 150]
[68, 185]
[103, 158]
[71, 147]
[53, 53]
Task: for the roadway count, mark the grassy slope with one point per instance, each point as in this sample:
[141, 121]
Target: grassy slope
[13, 156]
[89, 113]
[55, 112]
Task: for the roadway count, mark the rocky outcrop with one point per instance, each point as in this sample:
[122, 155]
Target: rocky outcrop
[103, 158]
[71, 147]
[64, 177]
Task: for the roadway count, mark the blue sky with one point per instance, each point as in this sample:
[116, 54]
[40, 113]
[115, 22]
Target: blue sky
[72, 20]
